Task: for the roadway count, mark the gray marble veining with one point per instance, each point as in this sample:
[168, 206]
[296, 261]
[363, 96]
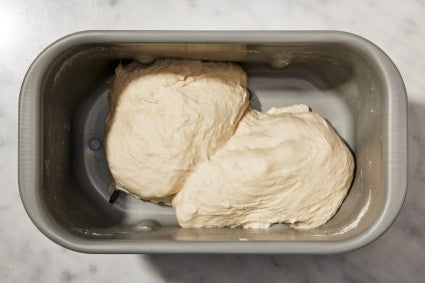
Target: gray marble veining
[27, 27]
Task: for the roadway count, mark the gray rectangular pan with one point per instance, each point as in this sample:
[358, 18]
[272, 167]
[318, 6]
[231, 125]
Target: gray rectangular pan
[64, 180]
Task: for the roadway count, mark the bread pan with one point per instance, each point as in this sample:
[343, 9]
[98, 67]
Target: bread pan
[64, 180]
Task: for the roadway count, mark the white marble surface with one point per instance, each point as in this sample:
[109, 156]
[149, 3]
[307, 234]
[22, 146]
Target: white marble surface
[27, 27]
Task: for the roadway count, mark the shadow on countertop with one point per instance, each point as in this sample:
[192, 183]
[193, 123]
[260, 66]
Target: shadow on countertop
[397, 256]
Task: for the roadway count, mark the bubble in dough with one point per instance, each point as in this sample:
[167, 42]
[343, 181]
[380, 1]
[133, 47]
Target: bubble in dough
[166, 117]
[285, 166]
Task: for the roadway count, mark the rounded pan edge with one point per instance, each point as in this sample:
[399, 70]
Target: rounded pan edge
[395, 136]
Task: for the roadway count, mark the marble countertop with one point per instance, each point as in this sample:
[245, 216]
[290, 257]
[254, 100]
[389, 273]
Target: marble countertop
[27, 27]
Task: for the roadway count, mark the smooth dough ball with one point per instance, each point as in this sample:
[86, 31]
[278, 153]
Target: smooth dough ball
[166, 117]
[286, 166]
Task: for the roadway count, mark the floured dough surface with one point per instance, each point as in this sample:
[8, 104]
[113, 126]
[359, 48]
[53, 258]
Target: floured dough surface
[286, 166]
[167, 117]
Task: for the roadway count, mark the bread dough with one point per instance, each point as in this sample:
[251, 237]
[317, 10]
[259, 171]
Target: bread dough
[286, 166]
[166, 117]
[175, 127]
